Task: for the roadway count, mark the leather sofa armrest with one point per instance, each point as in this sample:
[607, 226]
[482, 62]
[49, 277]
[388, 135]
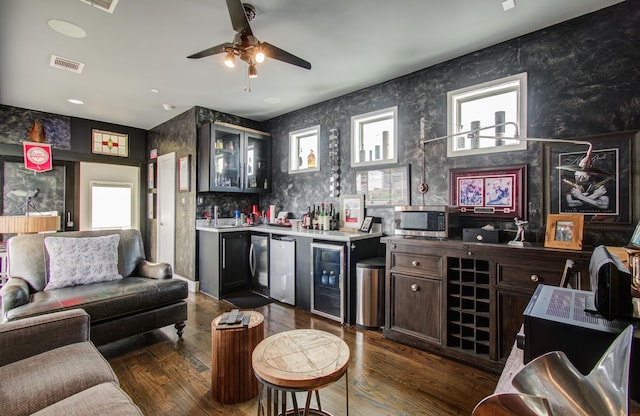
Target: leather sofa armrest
[15, 292]
[154, 270]
[27, 337]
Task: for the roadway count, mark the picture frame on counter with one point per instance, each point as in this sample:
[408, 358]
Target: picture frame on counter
[497, 192]
[564, 231]
[351, 212]
[367, 223]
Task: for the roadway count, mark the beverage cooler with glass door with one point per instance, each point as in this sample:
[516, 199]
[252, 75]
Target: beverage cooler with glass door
[328, 280]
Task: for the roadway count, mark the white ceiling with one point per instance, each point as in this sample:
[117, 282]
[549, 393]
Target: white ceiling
[351, 44]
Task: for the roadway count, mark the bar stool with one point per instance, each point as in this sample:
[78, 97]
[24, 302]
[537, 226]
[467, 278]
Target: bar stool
[301, 360]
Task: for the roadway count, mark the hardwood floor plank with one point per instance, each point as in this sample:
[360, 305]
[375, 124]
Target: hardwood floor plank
[167, 376]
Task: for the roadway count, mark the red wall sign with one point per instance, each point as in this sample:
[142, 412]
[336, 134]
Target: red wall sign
[37, 156]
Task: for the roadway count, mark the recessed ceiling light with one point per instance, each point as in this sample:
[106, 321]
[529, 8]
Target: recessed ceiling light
[66, 28]
[272, 100]
[508, 5]
[168, 107]
[154, 90]
[75, 101]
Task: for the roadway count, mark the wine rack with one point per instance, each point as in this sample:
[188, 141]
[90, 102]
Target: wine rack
[468, 314]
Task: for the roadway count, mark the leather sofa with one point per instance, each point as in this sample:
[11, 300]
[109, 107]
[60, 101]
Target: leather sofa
[48, 366]
[145, 298]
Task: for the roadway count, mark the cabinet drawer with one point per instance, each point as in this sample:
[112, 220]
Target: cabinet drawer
[423, 264]
[415, 307]
[527, 277]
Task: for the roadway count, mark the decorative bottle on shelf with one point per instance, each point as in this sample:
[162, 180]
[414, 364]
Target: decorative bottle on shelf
[311, 159]
[325, 278]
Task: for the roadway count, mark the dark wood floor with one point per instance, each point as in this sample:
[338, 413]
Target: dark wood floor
[169, 377]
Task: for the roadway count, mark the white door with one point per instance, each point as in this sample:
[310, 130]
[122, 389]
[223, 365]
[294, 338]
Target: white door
[117, 176]
[166, 234]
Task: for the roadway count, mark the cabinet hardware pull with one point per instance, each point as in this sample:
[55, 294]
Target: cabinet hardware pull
[393, 246]
[416, 263]
[415, 287]
[534, 278]
[469, 253]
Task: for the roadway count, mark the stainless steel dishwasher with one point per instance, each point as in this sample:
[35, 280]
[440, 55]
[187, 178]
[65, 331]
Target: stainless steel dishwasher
[282, 268]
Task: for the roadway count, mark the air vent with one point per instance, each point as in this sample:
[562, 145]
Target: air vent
[66, 64]
[106, 5]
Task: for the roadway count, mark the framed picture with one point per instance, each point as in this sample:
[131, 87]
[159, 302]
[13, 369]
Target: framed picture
[109, 143]
[367, 223]
[184, 173]
[151, 176]
[604, 199]
[635, 237]
[497, 192]
[151, 205]
[351, 211]
[564, 231]
[385, 187]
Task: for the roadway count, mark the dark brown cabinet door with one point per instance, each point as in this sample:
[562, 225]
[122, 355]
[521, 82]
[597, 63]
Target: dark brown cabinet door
[416, 305]
[511, 305]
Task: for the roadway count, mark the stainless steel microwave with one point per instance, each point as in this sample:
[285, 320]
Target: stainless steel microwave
[422, 220]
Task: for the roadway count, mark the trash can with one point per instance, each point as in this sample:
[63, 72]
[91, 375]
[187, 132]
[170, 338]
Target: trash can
[370, 293]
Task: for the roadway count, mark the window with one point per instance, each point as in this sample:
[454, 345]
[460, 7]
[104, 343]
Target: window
[373, 138]
[484, 105]
[304, 155]
[111, 205]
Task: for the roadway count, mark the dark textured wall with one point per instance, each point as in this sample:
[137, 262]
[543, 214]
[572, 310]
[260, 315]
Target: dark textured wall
[178, 135]
[583, 79]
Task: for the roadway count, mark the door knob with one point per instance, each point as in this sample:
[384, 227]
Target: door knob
[415, 287]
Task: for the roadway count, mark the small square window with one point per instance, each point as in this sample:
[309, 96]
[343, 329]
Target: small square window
[303, 150]
[374, 138]
[484, 105]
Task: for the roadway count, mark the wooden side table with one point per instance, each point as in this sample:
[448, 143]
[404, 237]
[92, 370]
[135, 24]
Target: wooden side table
[298, 361]
[232, 379]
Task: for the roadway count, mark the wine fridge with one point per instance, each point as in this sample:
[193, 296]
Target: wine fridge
[327, 284]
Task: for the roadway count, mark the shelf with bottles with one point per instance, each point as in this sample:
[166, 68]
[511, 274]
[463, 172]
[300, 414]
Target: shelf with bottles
[330, 279]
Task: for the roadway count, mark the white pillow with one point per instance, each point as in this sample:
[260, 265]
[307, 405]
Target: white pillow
[80, 261]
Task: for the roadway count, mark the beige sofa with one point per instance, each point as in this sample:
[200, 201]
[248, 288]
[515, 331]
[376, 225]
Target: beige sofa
[48, 366]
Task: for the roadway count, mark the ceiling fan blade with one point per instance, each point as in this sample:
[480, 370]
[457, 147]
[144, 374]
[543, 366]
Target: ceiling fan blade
[211, 51]
[238, 16]
[274, 52]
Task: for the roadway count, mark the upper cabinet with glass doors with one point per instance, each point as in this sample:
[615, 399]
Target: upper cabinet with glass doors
[233, 159]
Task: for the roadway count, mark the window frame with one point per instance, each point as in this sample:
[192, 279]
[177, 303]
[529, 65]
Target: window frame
[294, 146]
[356, 127]
[456, 98]
[112, 184]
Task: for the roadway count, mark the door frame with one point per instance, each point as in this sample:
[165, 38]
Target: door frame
[166, 214]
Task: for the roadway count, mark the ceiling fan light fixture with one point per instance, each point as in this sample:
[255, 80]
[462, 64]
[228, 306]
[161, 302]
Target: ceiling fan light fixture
[230, 60]
[259, 57]
[253, 72]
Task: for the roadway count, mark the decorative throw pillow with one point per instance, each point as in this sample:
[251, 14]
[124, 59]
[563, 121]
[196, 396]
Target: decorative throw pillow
[80, 261]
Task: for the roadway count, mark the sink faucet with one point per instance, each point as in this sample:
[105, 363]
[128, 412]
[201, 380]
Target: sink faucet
[215, 215]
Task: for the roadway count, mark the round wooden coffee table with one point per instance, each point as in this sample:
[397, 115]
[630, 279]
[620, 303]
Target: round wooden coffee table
[297, 361]
[232, 379]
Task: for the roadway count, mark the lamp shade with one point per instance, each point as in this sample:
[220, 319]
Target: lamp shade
[22, 224]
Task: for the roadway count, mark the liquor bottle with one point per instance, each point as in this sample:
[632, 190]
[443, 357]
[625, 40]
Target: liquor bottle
[307, 219]
[311, 159]
[321, 217]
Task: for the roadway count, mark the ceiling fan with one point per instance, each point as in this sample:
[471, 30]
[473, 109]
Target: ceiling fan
[245, 45]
